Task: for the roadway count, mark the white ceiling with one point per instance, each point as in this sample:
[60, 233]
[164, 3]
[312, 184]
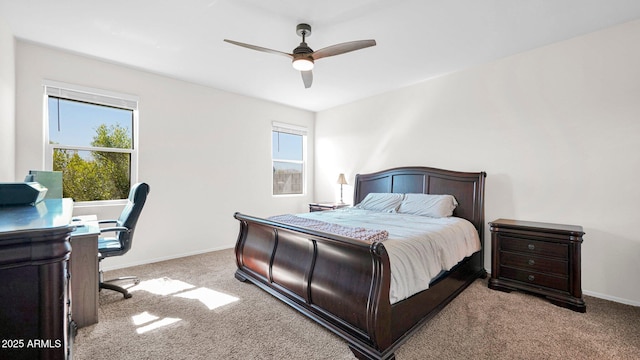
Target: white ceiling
[417, 39]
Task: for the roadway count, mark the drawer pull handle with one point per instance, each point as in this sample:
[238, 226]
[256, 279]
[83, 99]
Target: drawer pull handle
[531, 262]
[531, 246]
[531, 277]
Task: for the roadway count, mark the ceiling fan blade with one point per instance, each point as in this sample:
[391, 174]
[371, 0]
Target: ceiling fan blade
[259, 48]
[307, 78]
[342, 48]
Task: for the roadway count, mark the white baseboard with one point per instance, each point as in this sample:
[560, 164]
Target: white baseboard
[611, 298]
[150, 261]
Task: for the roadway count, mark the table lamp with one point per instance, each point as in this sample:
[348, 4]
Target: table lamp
[341, 181]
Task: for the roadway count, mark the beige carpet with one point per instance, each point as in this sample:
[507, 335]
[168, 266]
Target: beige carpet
[194, 308]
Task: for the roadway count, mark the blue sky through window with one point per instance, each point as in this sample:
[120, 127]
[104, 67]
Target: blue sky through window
[74, 123]
[286, 146]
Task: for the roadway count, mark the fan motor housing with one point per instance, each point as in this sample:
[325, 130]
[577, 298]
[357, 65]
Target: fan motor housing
[302, 49]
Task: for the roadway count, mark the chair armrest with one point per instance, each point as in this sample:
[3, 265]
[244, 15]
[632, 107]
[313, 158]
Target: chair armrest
[115, 228]
[107, 221]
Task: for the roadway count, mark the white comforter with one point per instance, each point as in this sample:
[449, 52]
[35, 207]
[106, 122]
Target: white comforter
[419, 247]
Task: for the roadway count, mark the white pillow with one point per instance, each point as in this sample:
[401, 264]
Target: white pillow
[435, 206]
[383, 202]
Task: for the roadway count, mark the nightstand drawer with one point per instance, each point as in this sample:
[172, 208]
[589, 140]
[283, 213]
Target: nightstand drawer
[535, 263]
[313, 208]
[535, 278]
[508, 243]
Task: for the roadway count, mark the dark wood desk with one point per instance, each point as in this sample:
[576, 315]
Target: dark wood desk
[34, 288]
[83, 265]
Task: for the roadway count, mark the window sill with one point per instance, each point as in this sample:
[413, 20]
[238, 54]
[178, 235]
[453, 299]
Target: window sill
[287, 195]
[99, 203]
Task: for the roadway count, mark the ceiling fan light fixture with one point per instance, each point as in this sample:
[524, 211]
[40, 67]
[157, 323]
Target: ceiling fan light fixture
[303, 64]
[304, 57]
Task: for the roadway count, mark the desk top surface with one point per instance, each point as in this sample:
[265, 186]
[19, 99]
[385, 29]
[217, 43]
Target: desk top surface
[47, 214]
[85, 225]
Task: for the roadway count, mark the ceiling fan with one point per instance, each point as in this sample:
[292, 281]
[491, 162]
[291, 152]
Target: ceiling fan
[304, 57]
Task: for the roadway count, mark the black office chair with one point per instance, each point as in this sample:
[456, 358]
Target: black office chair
[124, 228]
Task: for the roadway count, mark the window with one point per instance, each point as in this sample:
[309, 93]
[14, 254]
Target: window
[91, 136]
[288, 145]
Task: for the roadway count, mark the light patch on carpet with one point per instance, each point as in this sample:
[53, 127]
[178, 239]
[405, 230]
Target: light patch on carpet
[162, 286]
[157, 324]
[210, 298]
[143, 318]
[169, 287]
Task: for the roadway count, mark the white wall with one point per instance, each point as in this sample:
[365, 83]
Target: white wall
[557, 129]
[205, 153]
[7, 104]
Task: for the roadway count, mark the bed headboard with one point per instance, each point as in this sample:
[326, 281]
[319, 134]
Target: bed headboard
[466, 187]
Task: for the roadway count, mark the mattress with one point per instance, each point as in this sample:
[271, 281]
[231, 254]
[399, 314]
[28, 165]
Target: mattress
[419, 247]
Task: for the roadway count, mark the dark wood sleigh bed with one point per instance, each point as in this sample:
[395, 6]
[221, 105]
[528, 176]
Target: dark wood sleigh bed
[343, 283]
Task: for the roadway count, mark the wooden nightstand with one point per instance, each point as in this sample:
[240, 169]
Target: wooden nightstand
[540, 258]
[325, 206]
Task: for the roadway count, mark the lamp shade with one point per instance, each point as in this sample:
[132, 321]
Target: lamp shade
[342, 180]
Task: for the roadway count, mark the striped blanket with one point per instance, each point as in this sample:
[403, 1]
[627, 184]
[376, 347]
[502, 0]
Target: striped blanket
[346, 231]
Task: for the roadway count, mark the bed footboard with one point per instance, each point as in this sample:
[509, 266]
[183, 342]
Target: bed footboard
[341, 283]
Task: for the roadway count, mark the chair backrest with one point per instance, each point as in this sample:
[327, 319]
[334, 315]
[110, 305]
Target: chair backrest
[130, 214]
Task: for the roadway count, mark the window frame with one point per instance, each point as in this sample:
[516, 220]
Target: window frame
[294, 130]
[96, 97]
